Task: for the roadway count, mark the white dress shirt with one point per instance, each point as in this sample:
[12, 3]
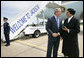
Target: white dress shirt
[56, 20]
[69, 21]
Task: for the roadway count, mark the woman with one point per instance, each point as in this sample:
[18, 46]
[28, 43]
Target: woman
[70, 35]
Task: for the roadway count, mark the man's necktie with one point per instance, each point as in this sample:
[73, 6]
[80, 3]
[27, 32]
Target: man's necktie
[58, 22]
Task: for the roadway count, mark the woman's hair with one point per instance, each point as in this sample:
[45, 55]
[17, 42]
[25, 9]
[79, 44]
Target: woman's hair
[72, 11]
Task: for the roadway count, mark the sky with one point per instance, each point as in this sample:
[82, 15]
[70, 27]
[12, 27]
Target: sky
[11, 8]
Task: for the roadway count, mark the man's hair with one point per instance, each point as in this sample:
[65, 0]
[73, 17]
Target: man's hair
[72, 11]
[57, 9]
[4, 18]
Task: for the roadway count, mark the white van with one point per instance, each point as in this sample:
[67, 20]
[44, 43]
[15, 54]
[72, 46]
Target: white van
[35, 29]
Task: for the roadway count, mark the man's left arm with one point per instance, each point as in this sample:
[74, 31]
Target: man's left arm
[61, 31]
[8, 28]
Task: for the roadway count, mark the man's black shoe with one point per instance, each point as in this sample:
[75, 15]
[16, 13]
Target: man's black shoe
[7, 45]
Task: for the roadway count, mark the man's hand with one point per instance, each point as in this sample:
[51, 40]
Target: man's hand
[55, 34]
[65, 29]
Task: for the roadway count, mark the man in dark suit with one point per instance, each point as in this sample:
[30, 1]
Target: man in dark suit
[70, 35]
[53, 27]
[6, 31]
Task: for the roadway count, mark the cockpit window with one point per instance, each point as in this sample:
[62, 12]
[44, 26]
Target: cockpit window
[63, 8]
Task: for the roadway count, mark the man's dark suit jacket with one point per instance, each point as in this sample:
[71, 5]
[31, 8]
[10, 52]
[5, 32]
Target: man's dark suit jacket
[51, 26]
[53, 42]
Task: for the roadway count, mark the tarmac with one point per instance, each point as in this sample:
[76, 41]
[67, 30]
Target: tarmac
[34, 47]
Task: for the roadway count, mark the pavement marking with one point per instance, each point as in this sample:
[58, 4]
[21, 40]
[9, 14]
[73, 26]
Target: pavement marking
[35, 46]
[32, 45]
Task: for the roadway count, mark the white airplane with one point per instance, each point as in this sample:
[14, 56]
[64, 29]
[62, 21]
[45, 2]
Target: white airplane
[76, 5]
